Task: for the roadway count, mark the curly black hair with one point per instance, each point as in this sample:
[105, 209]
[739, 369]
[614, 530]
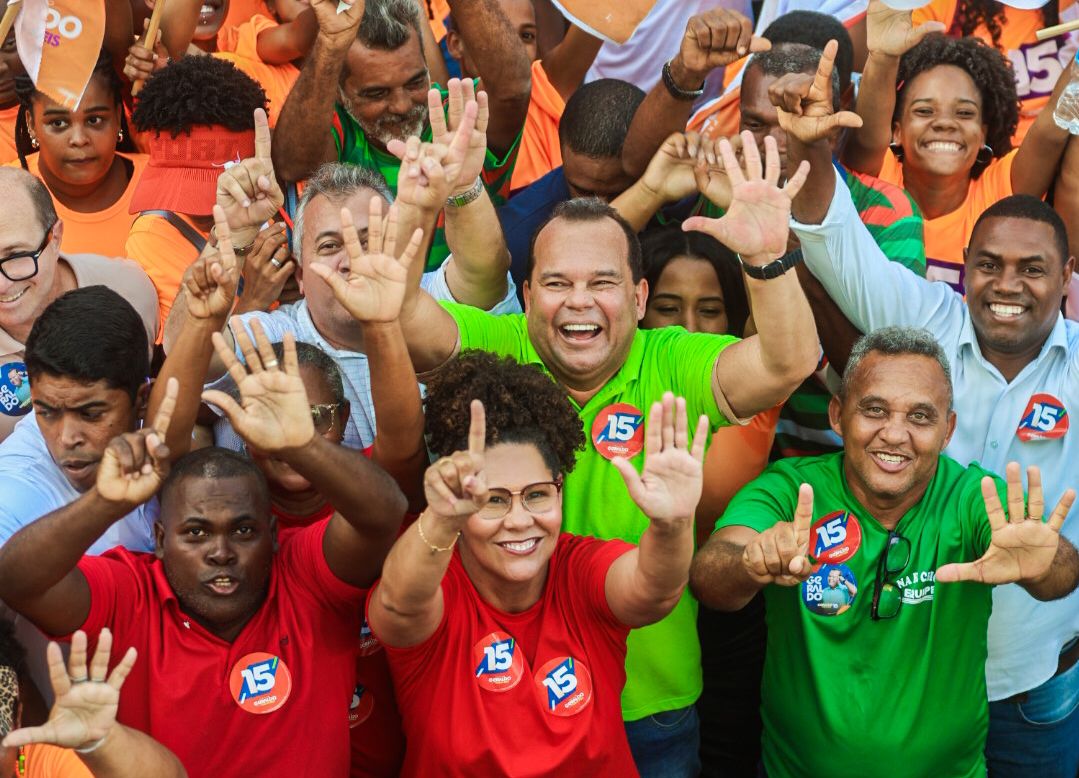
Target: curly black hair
[991, 72]
[198, 90]
[972, 14]
[26, 93]
[522, 404]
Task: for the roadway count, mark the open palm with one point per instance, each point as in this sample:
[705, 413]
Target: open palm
[463, 131]
[891, 31]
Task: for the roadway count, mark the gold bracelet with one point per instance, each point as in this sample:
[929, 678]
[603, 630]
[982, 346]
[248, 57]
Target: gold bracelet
[434, 549]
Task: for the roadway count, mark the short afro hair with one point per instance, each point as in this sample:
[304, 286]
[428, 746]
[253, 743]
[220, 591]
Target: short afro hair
[198, 91]
[1022, 206]
[597, 118]
[217, 463]
[815, 29]
[522, 404]
[987, 67]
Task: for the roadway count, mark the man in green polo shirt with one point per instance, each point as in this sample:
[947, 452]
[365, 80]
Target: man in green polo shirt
[893, 518]
[583, 295]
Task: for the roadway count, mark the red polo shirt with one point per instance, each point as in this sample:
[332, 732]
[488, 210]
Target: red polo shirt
[269, 703]
[536, 693]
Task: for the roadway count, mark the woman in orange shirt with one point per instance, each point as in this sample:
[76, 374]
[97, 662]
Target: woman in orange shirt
[938, 117]
[75, 152]
[10, 67]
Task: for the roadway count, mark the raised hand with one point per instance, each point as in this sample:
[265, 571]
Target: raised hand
[756, 224]
[780, 554]
[668, 488]
[374, 284]
[710, 172]
[141, 62]
[712, 40]
[86, 703]
[804, 102]
[671, 174]
[273, 414]
[135, 464]
[267, 269]
[210, 283]
[891, 31]
[1022, 546]
[424, 182]
[338, 20]
[248, 191]
[456, 486]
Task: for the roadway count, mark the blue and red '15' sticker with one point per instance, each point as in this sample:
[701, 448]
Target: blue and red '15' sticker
[1044, 419]
[618, 431]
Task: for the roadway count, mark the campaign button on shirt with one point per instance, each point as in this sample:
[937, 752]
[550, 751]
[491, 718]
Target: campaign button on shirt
[498, 662]
[260, 683]
[564, 686]
[618, 431]
[363, 703]
[1045, 418]
[836, 537]
[368, 642]
[830, 590]
[14, 389]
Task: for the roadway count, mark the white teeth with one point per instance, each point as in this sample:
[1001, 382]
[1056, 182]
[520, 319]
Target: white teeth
[207, 9]
[940, 145]
[580, 327]
[523, 545]
[15, 297]
[891, 459]
[1005, 310]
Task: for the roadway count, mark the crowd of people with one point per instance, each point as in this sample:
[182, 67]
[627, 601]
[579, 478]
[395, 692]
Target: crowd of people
[432, 387]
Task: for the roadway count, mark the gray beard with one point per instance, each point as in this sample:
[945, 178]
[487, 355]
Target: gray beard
[389, 127]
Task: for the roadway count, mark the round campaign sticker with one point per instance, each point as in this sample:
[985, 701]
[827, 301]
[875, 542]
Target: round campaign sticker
[368, 642]
[830, 590]
[618, 431]
[1044, 419]
[835, 537]
[359, 710]
[564, 686]
[260, 683]
[498, 662]
[14, 389]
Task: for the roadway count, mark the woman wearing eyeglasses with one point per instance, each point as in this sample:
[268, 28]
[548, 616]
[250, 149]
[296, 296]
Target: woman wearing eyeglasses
[506, 638]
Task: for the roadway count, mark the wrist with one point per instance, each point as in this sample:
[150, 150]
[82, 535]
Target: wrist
[685, 78]
[670, 527]
[439, 533]
[462, 196]
[296, 456]
[883, 58]
[94, 745]
[334, 43]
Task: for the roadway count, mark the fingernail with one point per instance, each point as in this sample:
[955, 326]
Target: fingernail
[247, 203]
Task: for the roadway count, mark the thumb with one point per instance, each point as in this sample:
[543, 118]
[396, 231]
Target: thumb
[844, 119]
[759, 44]
[632, 478]
[223, 401]
[28, 735]
[714, 227]
[915, 36]
[952, 573]
[396, 146]
[337, 284]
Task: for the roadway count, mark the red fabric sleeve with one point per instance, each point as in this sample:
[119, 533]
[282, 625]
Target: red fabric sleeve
[303, 564]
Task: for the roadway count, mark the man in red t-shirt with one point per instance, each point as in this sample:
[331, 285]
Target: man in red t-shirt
[246, 651]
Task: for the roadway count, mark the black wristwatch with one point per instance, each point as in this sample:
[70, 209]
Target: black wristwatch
[677, 92]
[772, 269]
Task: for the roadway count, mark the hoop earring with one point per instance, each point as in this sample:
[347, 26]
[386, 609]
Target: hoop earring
[120, 136]
[985, 155]
[897, 151]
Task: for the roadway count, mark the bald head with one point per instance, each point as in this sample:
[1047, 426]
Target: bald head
[16, 182]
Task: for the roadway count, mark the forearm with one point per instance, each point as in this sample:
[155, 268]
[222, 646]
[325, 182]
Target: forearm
[789, 348]
[188, 361]
[1039, 157]
[432, 52]
[1066, 195]
[1062, 577]
[413, 572]
[719, 579]
[837, 333]
[128, 753]
[119, 29]
[502, 64]
[429, 330]
[865, 147]
[664, 557]
[637, 205]
[477, 275]
[811, 204]
[568, 63]
[303, 135]
[289, 41]
[178, 22]
[657, 117]
[399, 445]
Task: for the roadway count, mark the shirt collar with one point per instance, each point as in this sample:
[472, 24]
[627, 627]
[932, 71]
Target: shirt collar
[1058, 337]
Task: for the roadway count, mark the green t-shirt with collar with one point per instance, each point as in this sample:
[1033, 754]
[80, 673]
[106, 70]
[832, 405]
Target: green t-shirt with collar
[353, 147]
[663, 663]
[847, 696]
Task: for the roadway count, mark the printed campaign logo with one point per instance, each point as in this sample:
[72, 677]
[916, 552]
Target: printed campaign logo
[836, 537]
[497, 662]
[359, 710]
[14, 389]
[830, 590]
[618, 431]
[368, 642]
[260, 683]
[565, 686]
[1044, 419]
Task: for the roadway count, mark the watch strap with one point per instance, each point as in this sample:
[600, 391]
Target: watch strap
[773, 269]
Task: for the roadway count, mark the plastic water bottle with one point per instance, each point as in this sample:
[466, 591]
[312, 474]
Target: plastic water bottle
[1066, 114]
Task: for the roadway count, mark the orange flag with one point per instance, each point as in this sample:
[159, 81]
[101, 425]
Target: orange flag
[612, 20]
[59, 42]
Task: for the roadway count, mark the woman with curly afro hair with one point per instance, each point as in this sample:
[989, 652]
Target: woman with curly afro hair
[506, 638]
[938, 117]
[1036, 64]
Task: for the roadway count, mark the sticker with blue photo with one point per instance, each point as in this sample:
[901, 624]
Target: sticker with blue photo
[830, 590]
[14, 389]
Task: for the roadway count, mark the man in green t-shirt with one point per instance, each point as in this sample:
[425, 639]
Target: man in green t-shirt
[584, 294]
[849, 548]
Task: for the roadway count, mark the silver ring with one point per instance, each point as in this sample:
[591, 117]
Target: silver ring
[271, 363]
[84, 679]
[276, 263]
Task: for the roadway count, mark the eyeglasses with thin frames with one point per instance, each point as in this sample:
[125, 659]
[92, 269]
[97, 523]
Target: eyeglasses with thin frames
[887, 596]
[324, 416]
[22, 265]
[537, 499]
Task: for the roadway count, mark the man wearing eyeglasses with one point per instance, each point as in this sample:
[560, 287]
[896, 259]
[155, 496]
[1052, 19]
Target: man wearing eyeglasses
[899, 521]
[33, 273]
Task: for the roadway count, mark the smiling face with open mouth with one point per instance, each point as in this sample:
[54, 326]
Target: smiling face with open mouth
[212, 15]
[895, 420]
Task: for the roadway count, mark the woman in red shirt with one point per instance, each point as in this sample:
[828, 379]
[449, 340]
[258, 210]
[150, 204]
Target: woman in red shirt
[507, 638]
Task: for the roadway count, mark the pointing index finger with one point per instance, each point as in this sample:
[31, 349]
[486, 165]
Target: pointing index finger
[262, 136]
[803, 516]
[477, 429]
[822, 81]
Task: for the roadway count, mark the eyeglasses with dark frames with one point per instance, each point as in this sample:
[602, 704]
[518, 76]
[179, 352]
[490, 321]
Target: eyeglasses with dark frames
[887, 596]
[22, 265]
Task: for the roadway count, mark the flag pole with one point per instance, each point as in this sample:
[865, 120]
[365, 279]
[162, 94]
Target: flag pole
[9, 18]
[150, 38]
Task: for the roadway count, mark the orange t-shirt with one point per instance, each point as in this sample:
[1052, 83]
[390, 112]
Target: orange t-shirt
[165, 255]
[947, 235]
[45, 761]
[540, 152]
[239, 45]
[721, 118]
[242, 10]
[437, 11]
[1037, 64]
[7, 134]
[103, 232]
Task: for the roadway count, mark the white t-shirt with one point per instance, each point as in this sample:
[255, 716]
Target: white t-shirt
[32, 485]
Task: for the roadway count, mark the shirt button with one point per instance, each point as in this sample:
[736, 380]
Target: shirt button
[993, 443]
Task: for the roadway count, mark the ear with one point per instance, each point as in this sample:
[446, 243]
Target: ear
[344, 413]
[454, 45]
[1069, 268]
[951, 429]
[142, 399]
[835, 413]
[159, 539]
[299, 275]
[897, 133]
[526, 294]
[640, 296]
[58, 231]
